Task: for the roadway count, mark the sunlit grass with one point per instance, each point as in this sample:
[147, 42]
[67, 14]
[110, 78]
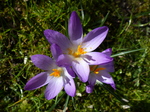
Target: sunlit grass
[21, 35]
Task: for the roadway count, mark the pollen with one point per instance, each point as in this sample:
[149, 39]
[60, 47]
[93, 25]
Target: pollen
[78, 52]
[56, 72]
[95, 69]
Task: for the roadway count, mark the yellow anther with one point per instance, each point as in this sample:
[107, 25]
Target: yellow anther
[77, 53]
[96, 70]
[56, 73]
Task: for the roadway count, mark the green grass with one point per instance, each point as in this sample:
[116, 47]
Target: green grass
[21, 35]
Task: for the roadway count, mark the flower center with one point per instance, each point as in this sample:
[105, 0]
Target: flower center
[95, 69]
[78, 52]
[56, 72]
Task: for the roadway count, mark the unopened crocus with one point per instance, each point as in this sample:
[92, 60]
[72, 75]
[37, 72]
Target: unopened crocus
[57, 77]
[78, 50]
[101, 73]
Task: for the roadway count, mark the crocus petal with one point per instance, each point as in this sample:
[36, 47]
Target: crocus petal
[57, 38]
[105, 77]
[37, 81]
[56, 51]
[108, 52]
[81, 68]
[96, 58]
[64, 60]
[89, 89]
[94, 38]
[54, 87]
[42, 61]
[69, 87]
[75, 28]
[92, 79]
[70, 71]
[109, 66]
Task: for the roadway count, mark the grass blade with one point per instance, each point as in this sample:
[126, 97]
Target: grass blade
[126, 52]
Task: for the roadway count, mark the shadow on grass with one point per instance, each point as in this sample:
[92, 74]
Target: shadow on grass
[141, 106]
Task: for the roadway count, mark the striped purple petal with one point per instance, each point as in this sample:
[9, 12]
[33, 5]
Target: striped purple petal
[94, 38]
[54, 87]
[37, 81]
[42, 61]
[75, 29]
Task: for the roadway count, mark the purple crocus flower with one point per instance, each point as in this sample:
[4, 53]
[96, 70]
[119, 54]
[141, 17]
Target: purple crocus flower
[57, 77]
[101, 73]
[78, 50]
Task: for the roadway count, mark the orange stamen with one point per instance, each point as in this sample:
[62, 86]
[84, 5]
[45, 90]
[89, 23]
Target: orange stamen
[79, 51]
[95, 69]
[56, 73]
